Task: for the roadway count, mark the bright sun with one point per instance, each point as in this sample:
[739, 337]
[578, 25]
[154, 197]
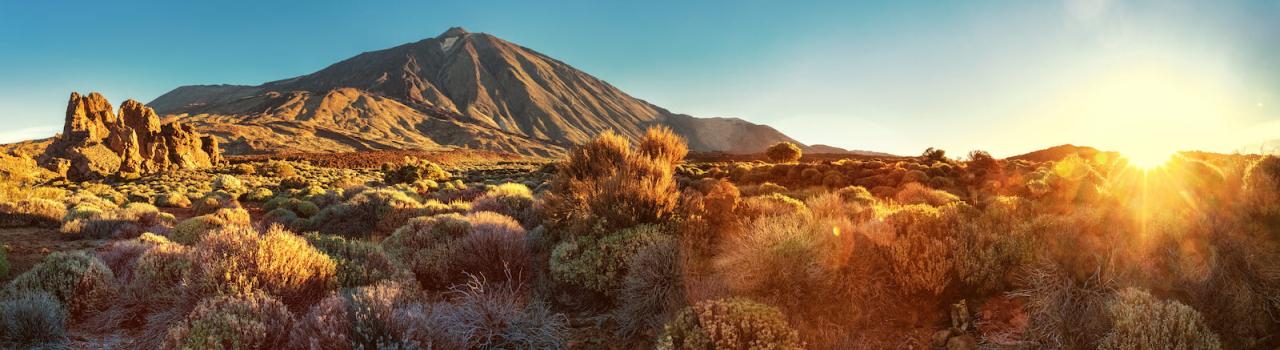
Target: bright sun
[1145, 113]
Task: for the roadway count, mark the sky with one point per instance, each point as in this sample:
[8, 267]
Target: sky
[892, 76]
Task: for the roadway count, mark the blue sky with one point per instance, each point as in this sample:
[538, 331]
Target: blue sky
[895, 76]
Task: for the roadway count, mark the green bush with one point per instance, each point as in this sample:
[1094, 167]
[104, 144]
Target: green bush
[174, 200]
[1141, 321]
[238, 259]
[783, 152]
[32, 320]
[77, 279]
[600, 264]
[440, 250]
[35, 211]
[258, 195]
[360, 263]
[246, 321]
[412, 171]
[159, 275]
[514, 200]
[734, 323]
[4, 262]
[191, 231]
[227, 183]
[653, 289]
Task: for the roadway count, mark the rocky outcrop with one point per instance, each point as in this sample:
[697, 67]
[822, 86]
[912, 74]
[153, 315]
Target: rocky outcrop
[95, 142]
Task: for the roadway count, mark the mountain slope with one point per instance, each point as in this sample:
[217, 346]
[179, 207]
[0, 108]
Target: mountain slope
[457, 89]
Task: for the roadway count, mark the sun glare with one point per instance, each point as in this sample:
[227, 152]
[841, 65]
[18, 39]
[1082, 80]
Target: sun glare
[1147, 159]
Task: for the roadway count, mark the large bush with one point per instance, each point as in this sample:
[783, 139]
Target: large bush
[606, 184]
[485, 316]
[514, 200]
[32, 320]
[599, 264]
[729, 324]
[1141, 321]
[441, 250]
[77, 279]
[783, 152]
[653, 289]
[359, 262]
[240, 260]
[414, 170]
[238, 321]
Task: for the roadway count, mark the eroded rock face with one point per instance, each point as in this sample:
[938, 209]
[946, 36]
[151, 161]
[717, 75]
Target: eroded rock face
[96, 142]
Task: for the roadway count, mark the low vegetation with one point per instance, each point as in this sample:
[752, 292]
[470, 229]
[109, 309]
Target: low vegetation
[627, 243]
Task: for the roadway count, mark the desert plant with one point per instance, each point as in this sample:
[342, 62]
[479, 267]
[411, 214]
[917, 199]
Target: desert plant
[605, 184]
[783, 152]
[244, 321]
[734, 323]
[77, 279]
[599, 264]
[412, 171]
[653, 289]
[191, 231]
[238, 259]
[484, 316]
[915, 193]
[1141, 321]
[227, 183]
[514, 200]
[4, 261]
[174, 200]
[360, 263]
[34, 211]
[32, 320]
[433, 248]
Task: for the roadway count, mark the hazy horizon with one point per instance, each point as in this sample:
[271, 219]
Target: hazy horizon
[1004, 76]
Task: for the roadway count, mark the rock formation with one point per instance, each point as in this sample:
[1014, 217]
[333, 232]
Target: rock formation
[96, 142]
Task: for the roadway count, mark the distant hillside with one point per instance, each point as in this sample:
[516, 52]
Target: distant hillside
[825, 149]
[458, 89]
[1061, 152]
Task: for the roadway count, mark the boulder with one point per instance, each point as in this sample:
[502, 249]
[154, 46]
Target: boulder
[97, 143]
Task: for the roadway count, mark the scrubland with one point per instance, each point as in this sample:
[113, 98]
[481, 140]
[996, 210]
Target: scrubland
[628, 245]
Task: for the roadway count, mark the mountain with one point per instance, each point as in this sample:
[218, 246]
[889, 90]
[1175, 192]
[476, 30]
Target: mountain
[458, 89]
[826, 149]
[1061, 152]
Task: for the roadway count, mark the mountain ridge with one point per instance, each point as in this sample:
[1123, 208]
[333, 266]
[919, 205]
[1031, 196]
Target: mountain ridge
[452, 90]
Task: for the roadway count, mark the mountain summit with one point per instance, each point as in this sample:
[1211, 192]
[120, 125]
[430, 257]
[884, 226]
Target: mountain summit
[457, 89]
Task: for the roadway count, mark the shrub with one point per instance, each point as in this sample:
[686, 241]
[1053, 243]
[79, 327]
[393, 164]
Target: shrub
[248, 321]
[30, 212]
[734, 323]
[605, 184]
[783, 152]
[244, 169]
[915, 193]
[238, 259]
[599, 264]
[710, 213]
[412, 171]
[4, 261]
[1063, 312]
[770, 205]
[653, 289]
[227, 183]
[258, 195]
[483, 316]
[326, 326]
[77, 279]
[514, 200]
[779, 260]
[159, 275]
[32, 320]
[433, 248]
[212, 202]
[918, 253]
[1141, 321]
[174, 200]
[365, 213]
[191, 231]
[360, 263]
